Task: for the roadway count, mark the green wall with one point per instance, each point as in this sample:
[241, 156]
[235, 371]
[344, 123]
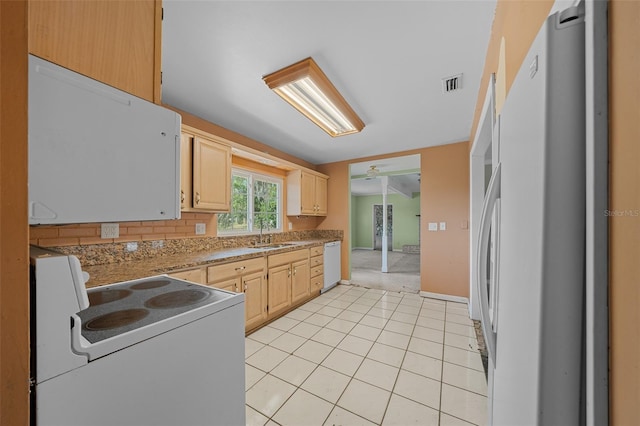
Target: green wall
[405, 222]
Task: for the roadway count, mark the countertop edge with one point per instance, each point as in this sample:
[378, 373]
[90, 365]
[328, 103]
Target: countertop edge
[125, 271]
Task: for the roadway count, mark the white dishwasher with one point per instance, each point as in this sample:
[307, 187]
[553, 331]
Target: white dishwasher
[331, 265]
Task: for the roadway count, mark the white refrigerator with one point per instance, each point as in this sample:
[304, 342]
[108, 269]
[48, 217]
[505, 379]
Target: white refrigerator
[531, 247]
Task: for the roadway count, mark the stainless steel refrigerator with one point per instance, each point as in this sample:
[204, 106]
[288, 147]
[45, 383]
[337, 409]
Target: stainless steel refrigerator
[532, 236]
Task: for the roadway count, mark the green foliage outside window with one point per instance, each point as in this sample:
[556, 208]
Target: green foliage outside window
[251, 193]
[265, 205]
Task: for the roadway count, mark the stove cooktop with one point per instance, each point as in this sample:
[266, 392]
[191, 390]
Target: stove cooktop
[120, 308]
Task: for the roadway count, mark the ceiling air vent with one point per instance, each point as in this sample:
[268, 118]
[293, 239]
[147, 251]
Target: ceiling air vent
[451, 84]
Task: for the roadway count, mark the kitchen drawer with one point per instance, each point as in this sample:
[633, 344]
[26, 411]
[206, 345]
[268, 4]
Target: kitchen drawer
[317, 270]
[234, 269]
[289, 257]
[316, 261]
[317, 283]
[193, 275]
[316, 251]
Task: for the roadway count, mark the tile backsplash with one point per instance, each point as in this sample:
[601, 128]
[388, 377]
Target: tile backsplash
[89, 233]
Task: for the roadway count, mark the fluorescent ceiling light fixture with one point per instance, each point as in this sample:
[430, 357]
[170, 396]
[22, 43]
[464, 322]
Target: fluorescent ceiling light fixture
[307, 89]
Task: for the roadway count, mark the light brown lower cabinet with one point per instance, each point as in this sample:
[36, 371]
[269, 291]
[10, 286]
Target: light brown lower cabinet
[194, 275]
[271, 285]
[279, 288]
[288, 280]
[255, 297]
[232, 284]
[316, 262]
[300, 281]
[248, 277]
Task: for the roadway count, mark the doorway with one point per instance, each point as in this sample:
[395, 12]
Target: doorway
[385, 257]
[378, 225]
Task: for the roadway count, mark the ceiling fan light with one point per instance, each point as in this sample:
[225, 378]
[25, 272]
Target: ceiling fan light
[305, 87]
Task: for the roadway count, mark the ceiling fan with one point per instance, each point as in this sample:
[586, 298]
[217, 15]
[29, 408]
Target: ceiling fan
[372, 172]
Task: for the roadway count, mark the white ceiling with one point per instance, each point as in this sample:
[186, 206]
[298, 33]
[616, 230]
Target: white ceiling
[387, 58]
[403, 172]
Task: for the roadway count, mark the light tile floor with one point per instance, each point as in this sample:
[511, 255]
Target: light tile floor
[358, 356]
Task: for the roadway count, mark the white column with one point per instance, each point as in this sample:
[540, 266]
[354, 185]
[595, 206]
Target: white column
[384, 180]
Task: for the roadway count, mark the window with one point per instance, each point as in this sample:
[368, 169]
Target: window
[256, 201]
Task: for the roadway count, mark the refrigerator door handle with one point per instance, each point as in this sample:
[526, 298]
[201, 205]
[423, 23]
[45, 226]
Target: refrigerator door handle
[493, 194]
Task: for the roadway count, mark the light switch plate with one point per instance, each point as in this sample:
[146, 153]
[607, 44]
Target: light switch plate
[433, 226]
[201, 228]
[443, 226]
[110, 230]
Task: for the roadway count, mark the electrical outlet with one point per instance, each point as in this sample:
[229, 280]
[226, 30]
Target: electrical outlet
[132, 246]
[201, 228]
[157, 244]
[433, 226]
[290, 226]
[110, 230]
[443, 226]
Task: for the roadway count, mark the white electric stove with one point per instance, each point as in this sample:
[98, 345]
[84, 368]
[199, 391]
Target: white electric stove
[153, 351]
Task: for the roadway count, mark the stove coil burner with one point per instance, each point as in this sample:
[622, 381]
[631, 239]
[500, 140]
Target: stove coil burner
[116, 319]
[146, 285]
[176, 299]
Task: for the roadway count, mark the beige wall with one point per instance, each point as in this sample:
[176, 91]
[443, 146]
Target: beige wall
[444, 256]
[624, 195]
[444, 193]
[518, 22]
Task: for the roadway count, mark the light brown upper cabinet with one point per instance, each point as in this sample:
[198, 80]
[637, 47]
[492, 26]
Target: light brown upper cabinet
[115, 42]
[306, 194]
[205, 174]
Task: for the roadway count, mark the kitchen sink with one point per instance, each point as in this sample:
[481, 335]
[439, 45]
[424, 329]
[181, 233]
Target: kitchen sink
[273, 245]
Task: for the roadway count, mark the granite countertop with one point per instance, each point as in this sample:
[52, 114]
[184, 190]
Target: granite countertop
[125, 271]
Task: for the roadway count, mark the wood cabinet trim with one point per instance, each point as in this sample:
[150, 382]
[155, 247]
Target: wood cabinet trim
[286, 258]
[235, 269]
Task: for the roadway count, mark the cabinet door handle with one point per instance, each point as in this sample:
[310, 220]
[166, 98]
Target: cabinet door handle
[289, 272]
[294, 271]
[197, 198]
[246, 287]
[181, 196]
[241, 268]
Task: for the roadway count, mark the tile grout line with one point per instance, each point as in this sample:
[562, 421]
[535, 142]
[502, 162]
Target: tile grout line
[370, 306]
[316, 367]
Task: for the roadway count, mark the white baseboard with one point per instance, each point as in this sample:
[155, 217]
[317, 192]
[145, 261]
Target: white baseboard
[446, 297]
